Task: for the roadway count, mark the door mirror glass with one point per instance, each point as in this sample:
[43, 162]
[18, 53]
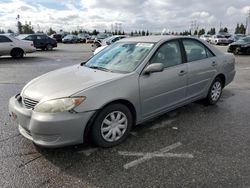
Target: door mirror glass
[155, 67]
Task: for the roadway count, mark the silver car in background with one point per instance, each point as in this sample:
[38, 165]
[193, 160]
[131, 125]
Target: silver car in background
[129, 82]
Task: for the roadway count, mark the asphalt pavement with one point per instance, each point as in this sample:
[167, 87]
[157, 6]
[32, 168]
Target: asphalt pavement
[193, 146]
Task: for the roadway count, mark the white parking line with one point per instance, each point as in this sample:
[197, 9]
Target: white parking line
[161, 153]
[162, 124]
[246, 68]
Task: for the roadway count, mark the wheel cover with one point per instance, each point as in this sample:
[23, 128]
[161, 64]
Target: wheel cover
[216, 91]
[114, 126]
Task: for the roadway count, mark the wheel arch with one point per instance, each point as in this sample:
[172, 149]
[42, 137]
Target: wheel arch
[117, 101]
[223, 78]
[16, 48]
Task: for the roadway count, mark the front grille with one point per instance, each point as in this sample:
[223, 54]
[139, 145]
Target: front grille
[29, 103]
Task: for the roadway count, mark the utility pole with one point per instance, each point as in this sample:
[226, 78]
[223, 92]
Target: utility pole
[248, 23]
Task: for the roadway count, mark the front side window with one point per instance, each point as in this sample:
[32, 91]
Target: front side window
[195, 50]
[169, 54]
[4, 39]
[120, 57]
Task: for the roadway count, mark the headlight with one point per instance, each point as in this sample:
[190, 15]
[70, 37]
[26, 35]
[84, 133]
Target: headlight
[59, 105]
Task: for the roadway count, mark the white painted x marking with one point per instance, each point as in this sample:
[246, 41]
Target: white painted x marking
[161, 153]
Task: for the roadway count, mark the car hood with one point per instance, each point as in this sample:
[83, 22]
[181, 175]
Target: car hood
[239, 42]
[66, 82]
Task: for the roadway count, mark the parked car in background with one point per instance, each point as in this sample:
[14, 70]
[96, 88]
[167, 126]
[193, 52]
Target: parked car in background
[41, 41]
[57, 37]
[14, 47]
[70, 39]
[130, 82]
[107, 41]
[235, 37]
[91, 39]
[242, 46]
[83, 37]
[205, 37]
[219, 39]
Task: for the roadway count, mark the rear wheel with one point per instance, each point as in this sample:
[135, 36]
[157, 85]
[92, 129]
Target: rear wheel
[112, 125]
[215, 91]
[49, 47]
[17, 53]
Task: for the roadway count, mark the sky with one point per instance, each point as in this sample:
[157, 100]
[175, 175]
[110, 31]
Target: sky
[152, 15]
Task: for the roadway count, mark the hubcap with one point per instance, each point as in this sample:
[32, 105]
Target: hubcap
[216, 91]
[114, 126]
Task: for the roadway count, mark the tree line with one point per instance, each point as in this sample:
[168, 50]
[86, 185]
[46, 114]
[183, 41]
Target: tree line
[28, 29]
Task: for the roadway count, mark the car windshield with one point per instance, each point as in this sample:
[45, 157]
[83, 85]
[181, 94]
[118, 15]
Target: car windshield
[120, 57]
[21, 36]
[245, 39]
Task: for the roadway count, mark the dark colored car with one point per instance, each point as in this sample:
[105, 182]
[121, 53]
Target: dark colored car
[236, 37]
[57, 37]
[40, 41]
[70, 39]
[241, 46]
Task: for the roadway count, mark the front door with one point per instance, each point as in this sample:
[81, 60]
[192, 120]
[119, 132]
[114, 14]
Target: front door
[160, 91]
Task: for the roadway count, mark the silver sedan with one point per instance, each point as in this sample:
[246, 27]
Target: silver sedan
[127, 83]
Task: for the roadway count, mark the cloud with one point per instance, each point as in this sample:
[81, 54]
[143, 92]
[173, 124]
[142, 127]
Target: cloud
[133, 15]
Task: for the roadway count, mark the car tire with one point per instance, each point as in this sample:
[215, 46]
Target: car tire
[214, 92]
[112, 125]
[248, 51]
[49, 47]
[236, 51]
[17, 53]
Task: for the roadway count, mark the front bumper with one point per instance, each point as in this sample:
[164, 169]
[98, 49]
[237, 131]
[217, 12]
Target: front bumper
[49, 129]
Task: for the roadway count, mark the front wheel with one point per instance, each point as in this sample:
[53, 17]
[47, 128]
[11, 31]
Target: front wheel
[112, 125]
[215, 91]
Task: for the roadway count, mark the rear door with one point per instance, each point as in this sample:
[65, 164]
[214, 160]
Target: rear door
[202, 67]
[162, 90]
[5, 45]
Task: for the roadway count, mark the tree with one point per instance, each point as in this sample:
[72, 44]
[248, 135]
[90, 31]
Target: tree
[212, 31]
[51, 31]
[74, 32]
[201, 32]
[10, 31]
[195, 32]
[95, 32]
[27, 29]
[240, 29]
[1, 31]
[147, 33]
[143, 33]
[132, 34]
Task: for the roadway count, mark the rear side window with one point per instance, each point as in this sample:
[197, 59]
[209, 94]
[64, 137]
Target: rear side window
[4, 39]
[30, 37]
[196, 50]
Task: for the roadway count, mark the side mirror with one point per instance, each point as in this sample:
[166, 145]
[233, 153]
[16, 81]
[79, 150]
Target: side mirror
[155, 67]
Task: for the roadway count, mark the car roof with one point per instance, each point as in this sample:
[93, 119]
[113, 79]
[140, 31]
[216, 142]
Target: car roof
[154, 38]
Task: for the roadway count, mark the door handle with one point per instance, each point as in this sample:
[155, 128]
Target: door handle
[214, 64]
[182, 73]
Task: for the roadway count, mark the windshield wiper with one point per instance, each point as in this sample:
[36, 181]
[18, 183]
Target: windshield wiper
[100, 68]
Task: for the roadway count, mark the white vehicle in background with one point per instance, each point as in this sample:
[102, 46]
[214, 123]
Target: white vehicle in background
[205, 37]
[219, 39]
[14, 47]
[105, 42]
